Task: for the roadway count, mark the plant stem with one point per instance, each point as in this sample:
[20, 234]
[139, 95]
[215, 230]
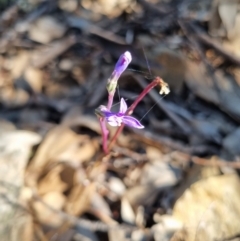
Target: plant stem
[155, 82]
[105, 133]
[104, 129]
[110, 101]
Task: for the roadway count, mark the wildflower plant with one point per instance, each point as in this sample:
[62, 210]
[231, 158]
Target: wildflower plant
[122, 117]
[117, 118]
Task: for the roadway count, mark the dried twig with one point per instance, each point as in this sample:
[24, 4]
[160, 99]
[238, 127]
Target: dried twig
[215, 163]
[91, 225]
[93, 29]
[161, 104]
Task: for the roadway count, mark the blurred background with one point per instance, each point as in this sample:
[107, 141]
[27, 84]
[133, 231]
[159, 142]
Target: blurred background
[177, 179]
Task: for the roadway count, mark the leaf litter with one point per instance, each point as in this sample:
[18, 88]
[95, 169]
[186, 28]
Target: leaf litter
[174, 180]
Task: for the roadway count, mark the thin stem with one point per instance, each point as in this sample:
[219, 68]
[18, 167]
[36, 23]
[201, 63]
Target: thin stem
[104, 129]
[156, 81]
[105, 133]
[110, 101]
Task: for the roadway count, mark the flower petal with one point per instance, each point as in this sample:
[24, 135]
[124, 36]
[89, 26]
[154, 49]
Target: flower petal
[114, 120]
[108, 114]
[123, 106]
[132, 122]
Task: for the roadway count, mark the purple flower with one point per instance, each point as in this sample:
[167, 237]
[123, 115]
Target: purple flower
[116, 119]
[120, 66]
[123, 63]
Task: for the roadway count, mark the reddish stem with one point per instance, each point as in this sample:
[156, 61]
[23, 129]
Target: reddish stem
[105, 133]
[155, 82]
[110, 101]
[104, 129]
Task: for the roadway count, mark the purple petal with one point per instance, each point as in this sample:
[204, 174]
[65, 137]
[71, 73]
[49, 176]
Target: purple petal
[123, 106]
[108, 113]
[132, 122]
[123, 62]
[114, 120]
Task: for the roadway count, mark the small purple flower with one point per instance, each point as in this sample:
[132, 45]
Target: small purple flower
[116, 119]
[123, 62]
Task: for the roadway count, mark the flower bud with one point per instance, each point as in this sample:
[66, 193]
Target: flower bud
[120, 66]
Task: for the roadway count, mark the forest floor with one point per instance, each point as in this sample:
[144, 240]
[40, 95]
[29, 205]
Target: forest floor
[176, 179]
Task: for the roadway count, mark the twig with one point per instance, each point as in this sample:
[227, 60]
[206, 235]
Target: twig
[133, 155]
[161, 104]
[215, 163]
[93, 29]
[150, 138]
[91, 225]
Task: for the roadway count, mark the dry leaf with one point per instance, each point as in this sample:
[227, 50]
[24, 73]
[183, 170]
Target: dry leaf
[68, 5]
[111, 8]
[34, 77]
[212, 205]
[127, 213]
[173, 67]
[224, 22]
[165, 228]
[43, 210]
[56, 142]
[20, 62]
[117, 235]
[80, 199]
[81, 151]
[15, 148]
[225, 95]
[159, 174]
[52, 182]
[46, 29]
[14, 97]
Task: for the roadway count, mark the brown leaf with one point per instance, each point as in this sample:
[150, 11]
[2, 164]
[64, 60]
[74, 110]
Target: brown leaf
[34, 77]
[46, 29]
[212, 204]
[56, 141]
[20, 62]
[224, 92]
[80, 199]
[52, 182]
[15, 148]
[43, 210]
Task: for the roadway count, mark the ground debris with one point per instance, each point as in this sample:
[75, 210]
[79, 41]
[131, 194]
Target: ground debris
[176, 179]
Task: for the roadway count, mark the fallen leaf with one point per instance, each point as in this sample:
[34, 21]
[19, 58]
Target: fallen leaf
[15, 149]
[46, 29]
[212, 205]
[52, 182]
[43, 210]
[56, 142]
[79, 199]
[34, 77]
